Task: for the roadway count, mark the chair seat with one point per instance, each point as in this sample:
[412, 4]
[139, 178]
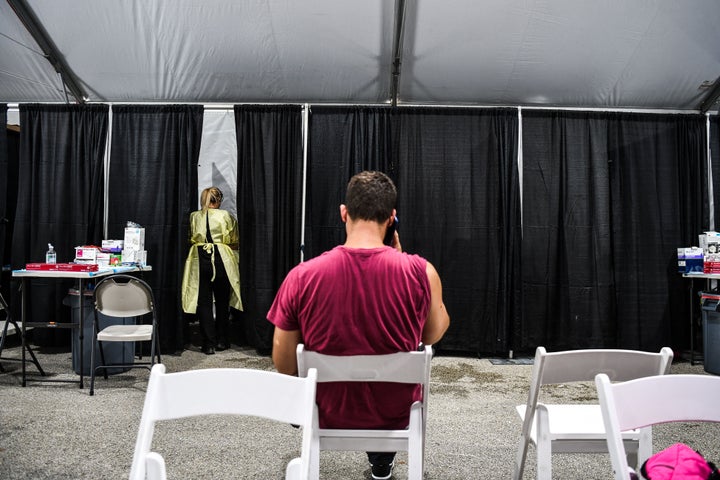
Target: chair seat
[125, 333]
[575, 421]
[368, 440]
[11, 327]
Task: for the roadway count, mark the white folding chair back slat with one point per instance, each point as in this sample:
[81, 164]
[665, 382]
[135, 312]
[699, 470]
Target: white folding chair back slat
[401, 367]
[579, 428]
[649, 401]
[225, 391]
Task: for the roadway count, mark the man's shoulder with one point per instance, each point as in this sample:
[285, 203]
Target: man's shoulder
[321, 260]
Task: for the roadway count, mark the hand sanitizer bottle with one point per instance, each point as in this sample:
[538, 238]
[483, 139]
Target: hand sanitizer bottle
[50, 256]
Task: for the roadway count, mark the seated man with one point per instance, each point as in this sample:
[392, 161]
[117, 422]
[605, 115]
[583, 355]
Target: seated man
[361, 298]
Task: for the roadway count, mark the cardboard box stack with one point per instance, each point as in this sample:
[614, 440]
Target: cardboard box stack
[710, 243]
[134, 246]
[111, 253]
[693, 260]
[86, 254]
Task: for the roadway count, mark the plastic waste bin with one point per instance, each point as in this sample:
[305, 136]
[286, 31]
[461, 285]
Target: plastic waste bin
[711, 332]
[115, 352]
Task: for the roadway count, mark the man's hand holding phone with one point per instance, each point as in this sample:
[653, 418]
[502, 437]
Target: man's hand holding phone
[392, 238]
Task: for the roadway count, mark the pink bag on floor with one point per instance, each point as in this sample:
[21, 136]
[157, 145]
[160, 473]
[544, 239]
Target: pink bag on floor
[679, 462]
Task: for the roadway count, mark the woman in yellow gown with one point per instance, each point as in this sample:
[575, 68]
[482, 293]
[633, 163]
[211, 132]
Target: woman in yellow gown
[212, 270]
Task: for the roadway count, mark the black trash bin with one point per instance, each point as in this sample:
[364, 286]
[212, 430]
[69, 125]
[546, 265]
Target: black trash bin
[115, 352]
[711, 331]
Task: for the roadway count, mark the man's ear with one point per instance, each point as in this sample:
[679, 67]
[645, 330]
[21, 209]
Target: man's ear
[343, 213]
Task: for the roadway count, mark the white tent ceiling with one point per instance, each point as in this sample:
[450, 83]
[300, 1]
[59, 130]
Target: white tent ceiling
[638, 54]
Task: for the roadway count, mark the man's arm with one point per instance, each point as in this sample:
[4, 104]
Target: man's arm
[285, 344]
[438, 319]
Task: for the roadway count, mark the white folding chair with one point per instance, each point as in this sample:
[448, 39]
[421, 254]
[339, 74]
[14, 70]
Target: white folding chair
[225, 391]
[123, 296]
[578, 428]
[651, 401]
[402, 367]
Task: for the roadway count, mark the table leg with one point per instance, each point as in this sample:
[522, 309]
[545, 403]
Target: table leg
[23, 313]
[82, 328]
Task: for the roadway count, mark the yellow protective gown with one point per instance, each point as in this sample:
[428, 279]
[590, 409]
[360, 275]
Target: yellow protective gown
[225, 237]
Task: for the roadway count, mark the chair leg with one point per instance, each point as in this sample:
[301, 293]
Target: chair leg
[34, 359]
[544, 444]
[644, 448]
[520, 458]
[544, 460]
[155, 343]
[3, 335]
[102, 360]
[415, 444]
[154, 351]
[92, 362]
[8, 320]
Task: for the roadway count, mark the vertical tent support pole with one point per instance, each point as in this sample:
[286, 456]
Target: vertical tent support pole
[711, 193]
[305, 119]
[106, 179]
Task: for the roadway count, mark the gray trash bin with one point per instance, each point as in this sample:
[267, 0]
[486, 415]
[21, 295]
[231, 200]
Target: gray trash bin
[711, 332]
[115, 352]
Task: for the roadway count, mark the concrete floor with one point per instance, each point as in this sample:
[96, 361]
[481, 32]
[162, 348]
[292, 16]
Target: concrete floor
[57, 431]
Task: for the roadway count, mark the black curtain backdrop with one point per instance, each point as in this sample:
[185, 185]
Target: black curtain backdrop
[607, 199]
[4, 171]
[459, 207]
[458, 202]
[153, 182]
[60, 192]
[715, 160]
[270, 176]
[10, 173]
[343, 141]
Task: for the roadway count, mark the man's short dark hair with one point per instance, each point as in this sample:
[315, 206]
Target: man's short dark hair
[370, 196]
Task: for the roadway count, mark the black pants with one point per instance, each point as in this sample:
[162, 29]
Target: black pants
[213, 330]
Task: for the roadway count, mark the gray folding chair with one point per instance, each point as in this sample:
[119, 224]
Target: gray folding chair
[124, 296]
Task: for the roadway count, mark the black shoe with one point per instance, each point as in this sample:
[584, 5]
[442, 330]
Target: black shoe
[222, 346]
[382, 472]
[208, 350]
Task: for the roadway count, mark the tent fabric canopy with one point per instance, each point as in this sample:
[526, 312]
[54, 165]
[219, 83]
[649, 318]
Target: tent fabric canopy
[649, 54]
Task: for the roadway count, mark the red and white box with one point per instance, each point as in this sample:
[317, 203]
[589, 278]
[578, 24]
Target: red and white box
[86, 253]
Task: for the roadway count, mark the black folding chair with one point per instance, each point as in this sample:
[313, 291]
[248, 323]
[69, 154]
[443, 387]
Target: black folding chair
[10, 326]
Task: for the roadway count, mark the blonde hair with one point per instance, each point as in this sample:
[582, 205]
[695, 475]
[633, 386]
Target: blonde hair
[209, 196]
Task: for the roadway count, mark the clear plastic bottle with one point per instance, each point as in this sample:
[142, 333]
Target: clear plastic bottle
[50, 256]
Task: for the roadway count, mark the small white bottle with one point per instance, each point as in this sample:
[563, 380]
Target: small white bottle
[50, 256]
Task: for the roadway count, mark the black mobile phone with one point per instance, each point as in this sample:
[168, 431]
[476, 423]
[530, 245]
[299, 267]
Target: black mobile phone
[390, 232]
